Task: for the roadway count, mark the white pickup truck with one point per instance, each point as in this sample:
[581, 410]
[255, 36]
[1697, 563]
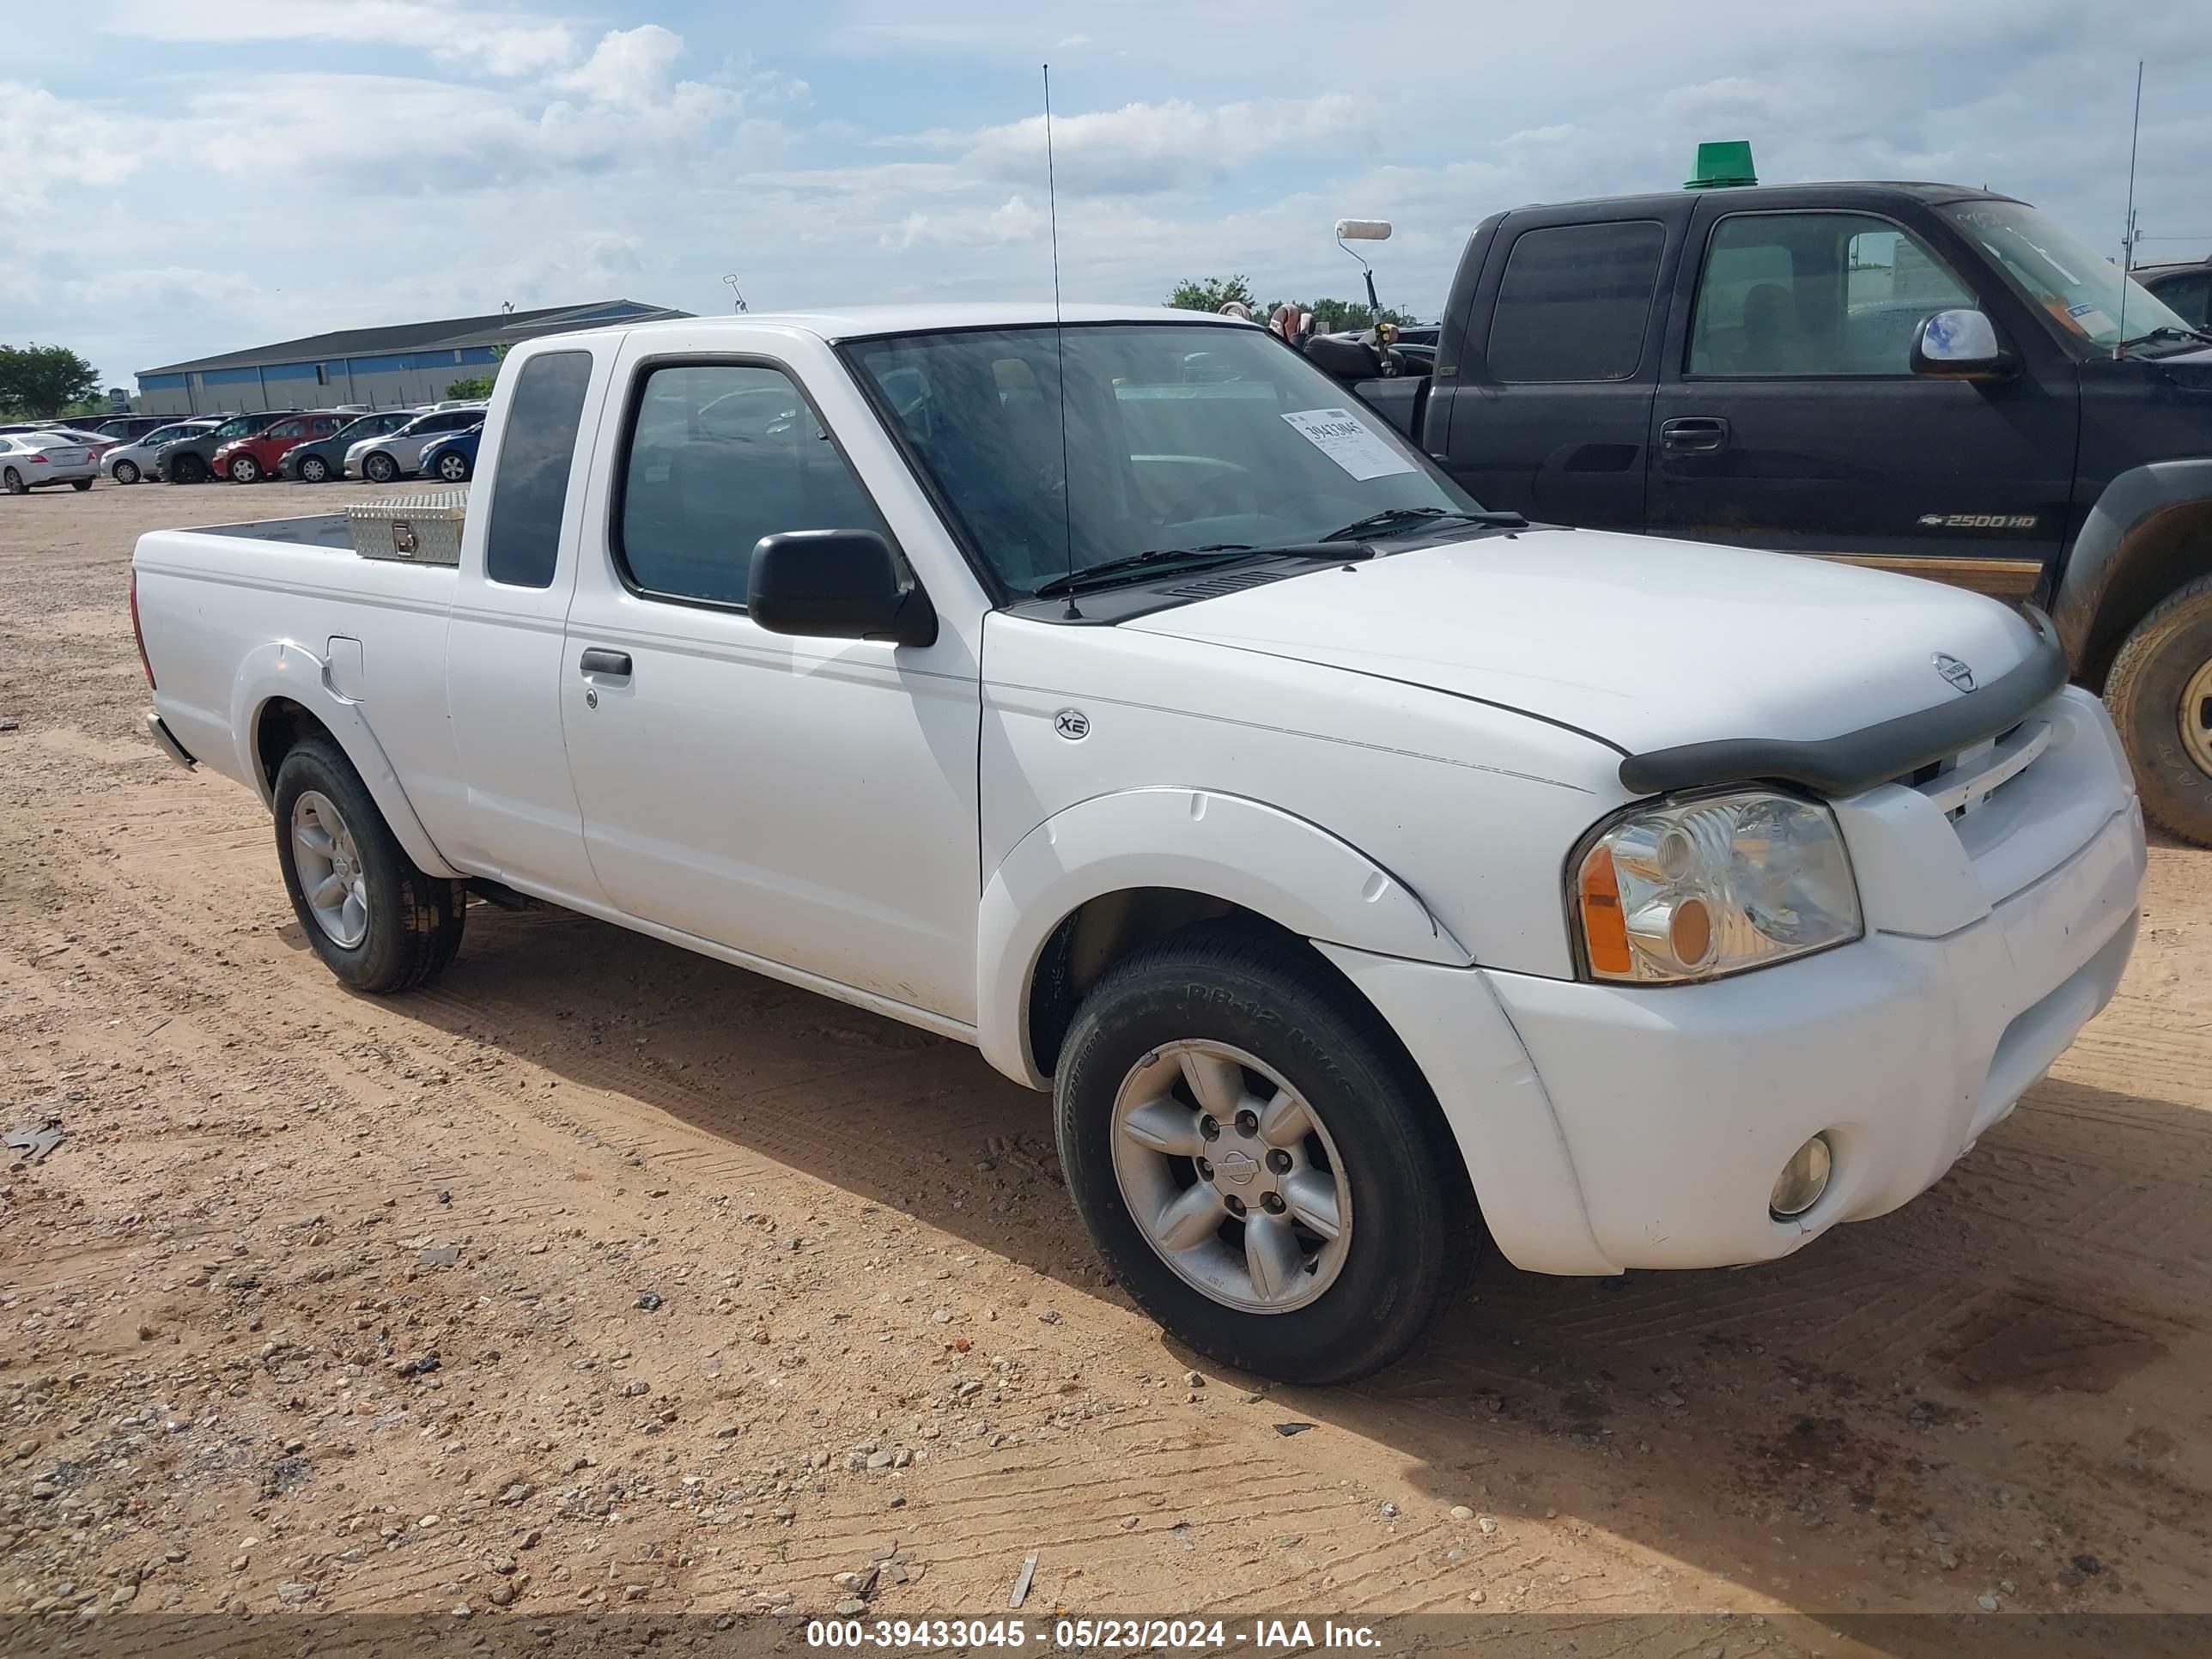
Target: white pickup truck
[1365, 873]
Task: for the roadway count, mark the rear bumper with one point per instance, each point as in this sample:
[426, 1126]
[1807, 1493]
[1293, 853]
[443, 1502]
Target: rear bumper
[165, 741]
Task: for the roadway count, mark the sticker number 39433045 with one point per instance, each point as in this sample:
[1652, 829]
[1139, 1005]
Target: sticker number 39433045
[1347, 440]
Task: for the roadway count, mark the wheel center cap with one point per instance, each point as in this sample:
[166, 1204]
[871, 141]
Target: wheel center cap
[1237, 1166]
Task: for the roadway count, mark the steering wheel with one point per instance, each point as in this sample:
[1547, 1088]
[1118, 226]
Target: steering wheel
[1218, 497]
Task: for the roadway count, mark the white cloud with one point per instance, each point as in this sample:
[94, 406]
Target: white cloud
[504, 43]
[1143, 148]
[629, 66]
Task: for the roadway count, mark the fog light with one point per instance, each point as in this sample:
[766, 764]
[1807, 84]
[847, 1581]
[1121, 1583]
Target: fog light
[1802, 1179]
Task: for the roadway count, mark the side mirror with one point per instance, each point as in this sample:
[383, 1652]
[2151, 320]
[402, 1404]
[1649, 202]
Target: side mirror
[836, 585]
[1959, 345]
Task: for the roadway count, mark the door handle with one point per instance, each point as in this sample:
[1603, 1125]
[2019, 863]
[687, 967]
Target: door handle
[613, 664]
[1693, 435]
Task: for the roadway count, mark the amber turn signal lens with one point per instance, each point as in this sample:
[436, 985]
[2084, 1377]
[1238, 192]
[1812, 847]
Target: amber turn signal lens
[1605, 929]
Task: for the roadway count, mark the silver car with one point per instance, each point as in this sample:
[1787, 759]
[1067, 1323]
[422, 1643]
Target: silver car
[31, 460]
[396, 453]
[128, 463]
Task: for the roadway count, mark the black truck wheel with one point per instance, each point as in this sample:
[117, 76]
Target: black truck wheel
[2160, 693]
[1259, 1163]
[376, 922]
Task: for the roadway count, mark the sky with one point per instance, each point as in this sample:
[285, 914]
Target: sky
[178, 179]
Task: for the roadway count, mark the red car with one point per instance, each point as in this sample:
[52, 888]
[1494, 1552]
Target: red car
[251, 458]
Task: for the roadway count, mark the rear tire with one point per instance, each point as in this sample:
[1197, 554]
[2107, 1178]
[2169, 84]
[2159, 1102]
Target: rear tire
[12, 482]
[127, 473]
[2160, 693]
[1408, 1226]
[382, 924]
[80, 484]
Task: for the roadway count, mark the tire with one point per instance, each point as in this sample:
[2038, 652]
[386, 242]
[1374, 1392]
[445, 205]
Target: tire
[125, 472]
[1414, 1228]
[314, 470]
[2160, 693]
[80, 484]
[453, 467]
[188, 470]
[12, 482]
[244, 469]
[409, 924]
[379, 468]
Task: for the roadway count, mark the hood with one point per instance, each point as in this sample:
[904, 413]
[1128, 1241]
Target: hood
[1646, 644]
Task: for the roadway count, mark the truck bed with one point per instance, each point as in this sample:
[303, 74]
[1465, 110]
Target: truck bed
[329, 530]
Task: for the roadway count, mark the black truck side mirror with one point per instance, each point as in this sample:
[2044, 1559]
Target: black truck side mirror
[1959, 345]
[836, 585]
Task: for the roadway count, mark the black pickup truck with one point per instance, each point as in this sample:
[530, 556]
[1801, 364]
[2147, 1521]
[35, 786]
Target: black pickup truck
[1922, 377]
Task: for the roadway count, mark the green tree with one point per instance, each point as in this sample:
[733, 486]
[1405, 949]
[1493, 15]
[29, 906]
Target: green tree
[480, 386]
[1211, 294]
[38, 382]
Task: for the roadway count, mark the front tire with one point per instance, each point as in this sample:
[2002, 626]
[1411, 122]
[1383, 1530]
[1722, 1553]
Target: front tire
[127, 473]
[1259, 1162]
[244, 469]
[378, 922]
[188, 470]
[314, 470]
[453, 467]
[380, 468]
[2160, 693]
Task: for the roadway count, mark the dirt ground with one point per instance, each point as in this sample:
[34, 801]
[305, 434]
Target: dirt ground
[604, 1274]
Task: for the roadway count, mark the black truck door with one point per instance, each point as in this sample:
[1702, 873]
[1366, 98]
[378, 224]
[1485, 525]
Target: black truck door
[1788, 415]
[1547, 409]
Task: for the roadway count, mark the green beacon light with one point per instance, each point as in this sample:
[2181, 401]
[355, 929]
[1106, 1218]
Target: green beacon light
[1725, 165]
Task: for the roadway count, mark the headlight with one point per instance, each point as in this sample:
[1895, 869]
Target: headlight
[1686, 890]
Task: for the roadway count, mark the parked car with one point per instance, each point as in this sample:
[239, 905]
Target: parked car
[127, 462]
[1917, 377]
[452, 460]
[31, 460]
[324, 458]
[253, 457]
[130, 428]
[190, 460]
[79, 436]
[398, 454]
[1364, 871]
[2186, 286]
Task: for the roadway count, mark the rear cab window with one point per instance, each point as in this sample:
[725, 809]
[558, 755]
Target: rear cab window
[1575, 302]
[537, 459]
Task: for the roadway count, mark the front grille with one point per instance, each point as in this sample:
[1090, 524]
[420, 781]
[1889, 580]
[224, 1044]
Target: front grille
[1968, 780]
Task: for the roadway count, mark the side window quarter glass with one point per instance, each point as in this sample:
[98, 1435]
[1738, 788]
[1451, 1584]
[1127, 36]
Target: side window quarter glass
[536, 456]
[1575, 302]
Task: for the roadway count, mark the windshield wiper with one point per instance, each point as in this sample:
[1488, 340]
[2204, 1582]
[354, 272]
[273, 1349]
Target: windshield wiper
[1392, 517]
[1162, 561]
[2164, 331]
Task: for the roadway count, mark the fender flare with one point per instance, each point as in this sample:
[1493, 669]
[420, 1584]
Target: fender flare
[2119, 528]
[1269, 861]
[285, 668]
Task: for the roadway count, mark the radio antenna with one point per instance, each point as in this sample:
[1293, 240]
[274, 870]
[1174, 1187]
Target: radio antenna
[1059, 354]
[2127, 233]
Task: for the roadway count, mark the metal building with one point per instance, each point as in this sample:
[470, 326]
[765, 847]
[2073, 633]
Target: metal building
[409, 363]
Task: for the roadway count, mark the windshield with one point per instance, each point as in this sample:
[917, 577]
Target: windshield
[2082, 288]
[1177, 436]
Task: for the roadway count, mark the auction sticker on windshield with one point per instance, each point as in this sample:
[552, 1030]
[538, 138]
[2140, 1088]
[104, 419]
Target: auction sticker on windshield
[1348, 442]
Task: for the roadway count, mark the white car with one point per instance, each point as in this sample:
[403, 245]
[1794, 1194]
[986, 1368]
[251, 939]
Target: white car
[396, 454]
[1365, 875]
[31, 460]
[128, 463]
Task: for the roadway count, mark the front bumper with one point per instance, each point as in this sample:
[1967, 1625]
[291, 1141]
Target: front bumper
[1651, 1122]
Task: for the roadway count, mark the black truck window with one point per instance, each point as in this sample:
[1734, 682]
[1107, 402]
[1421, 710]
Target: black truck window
[1575, 302]
[1795, 293]
[522, 542]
